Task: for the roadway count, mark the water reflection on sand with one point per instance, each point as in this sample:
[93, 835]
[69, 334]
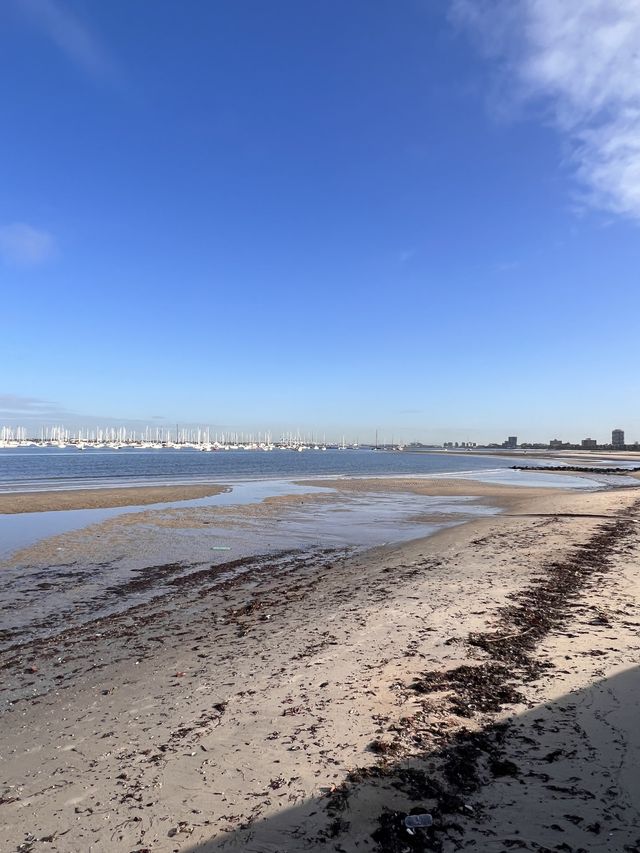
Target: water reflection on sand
[64, 568]
[105, 561]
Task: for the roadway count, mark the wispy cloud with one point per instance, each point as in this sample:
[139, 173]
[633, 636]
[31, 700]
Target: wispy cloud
[24, 245]
[16, 405]
[22, 410]
[35, 412]
[580, 62]
[71, 35]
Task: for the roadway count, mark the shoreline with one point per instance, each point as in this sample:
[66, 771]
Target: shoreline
[53, 500]
[504, 496]
[71, 497]
[279, 710]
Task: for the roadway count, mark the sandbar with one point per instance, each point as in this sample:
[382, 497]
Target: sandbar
[64, 499]
[503, 495]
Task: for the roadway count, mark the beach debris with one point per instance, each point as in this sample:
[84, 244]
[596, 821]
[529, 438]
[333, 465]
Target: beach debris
[221, 548]
[465, 758]
[417, 821]
[393, 835]
[384, 747]
[480, 688]
[5, 799]
[183, 827]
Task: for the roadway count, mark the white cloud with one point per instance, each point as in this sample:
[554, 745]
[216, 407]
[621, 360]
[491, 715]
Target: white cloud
[71, 35]
[580, 61]
[23, 245]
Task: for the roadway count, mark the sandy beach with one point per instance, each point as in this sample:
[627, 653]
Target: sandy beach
[487, 674]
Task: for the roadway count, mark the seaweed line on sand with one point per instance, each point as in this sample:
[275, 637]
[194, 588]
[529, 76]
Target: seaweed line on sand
[438, 767]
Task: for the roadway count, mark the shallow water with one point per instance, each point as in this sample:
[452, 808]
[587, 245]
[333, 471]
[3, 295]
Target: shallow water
[22, 529]
[544, 480]
[87, 573]
[64, 568]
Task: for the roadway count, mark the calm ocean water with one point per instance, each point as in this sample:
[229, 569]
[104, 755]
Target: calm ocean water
[37, 468]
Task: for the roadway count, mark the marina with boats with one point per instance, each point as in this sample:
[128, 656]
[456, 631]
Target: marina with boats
[159, 438]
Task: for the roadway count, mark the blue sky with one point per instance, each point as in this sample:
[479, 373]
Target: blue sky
[417, 216]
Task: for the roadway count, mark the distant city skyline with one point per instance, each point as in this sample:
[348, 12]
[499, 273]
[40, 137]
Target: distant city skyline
[421, 217]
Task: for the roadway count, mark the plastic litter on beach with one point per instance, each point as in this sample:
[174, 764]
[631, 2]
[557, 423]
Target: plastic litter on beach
[221, 548]
[417, 821]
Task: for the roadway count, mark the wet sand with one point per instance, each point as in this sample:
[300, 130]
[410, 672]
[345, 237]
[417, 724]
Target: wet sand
[487, 674]
[65, 499]
[495, 494]
[98, 562]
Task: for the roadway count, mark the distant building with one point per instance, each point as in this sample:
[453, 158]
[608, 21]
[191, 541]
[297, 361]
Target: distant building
[511, 443]
[555, 443]
[617, 439]
[589, 443]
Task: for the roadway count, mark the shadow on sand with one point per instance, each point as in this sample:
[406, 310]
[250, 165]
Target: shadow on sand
[564, 776]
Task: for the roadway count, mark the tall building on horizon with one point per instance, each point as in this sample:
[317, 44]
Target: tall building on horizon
[617, 439]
